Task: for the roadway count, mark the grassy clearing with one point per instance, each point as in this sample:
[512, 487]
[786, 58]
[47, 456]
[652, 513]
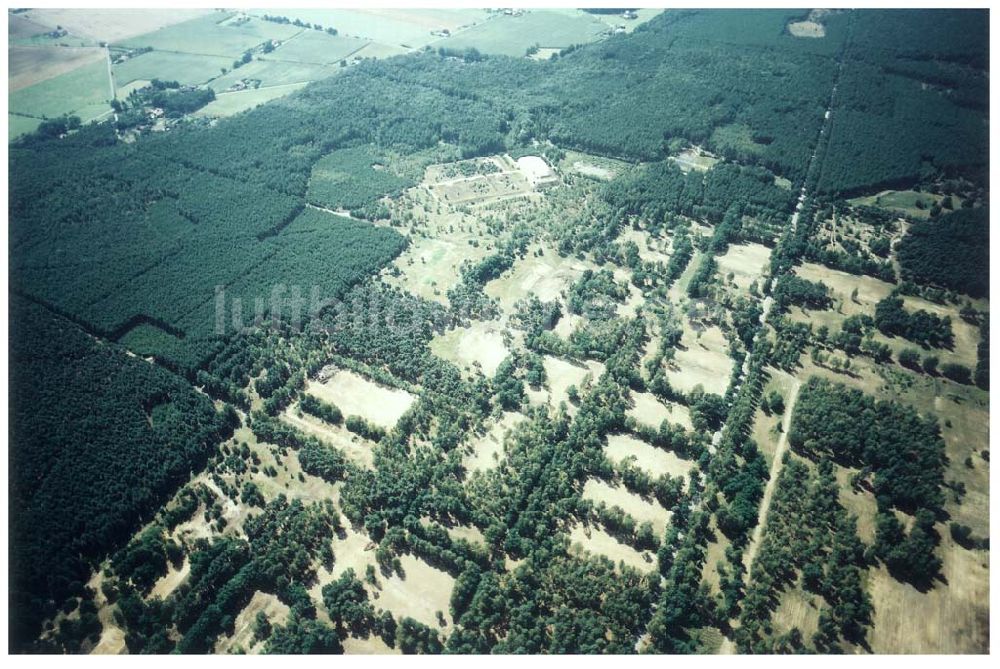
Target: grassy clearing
[479, 345]
[169, 581]
[186, 68]
[212, 35]
[797, 608]
[69, 93]
[655, 461]
[648, 410]
[420, 593]
[487, 451]
[28, 65]
[429, 267]
[702, 359]
[651, 249]
[355, 448]
[952, 617]
[312, 46]
[561, 374]
[635, 506]
[548, 276]
[356, 395]
[512, 35]
[227, 104]
[746, 262]
[903, 201]
[596, 541]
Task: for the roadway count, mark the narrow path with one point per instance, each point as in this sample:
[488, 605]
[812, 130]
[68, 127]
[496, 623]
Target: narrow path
[777, 463]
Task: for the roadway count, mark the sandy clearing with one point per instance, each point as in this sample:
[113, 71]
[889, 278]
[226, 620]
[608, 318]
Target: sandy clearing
[561, 374]
[27, 65]
[635, 506]
[587, 169]
[651, 249]
[546, 276]
[169, 581]
[420, 594]
[373, 645]
[746, 262]
[870, 290]
[242, 636]
[601, 543]
[487, 451]
[797, 609]
[655, 461]
[112, 641]
[702, 361]
[649, 410]
[358, 449]
[356, 395]
[482, 344]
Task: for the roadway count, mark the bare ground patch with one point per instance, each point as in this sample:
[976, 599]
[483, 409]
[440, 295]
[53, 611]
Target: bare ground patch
[420, 593]
[242, 636]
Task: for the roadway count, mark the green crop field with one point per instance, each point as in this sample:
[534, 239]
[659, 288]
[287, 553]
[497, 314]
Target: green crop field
[20, 125]
[512, 35]
[273, 73]
[215, 34]
[187, 68]
[313, 46]
[69, 93]
[227, 104]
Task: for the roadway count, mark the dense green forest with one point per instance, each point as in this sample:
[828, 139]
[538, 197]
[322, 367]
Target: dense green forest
[951, 251]
[102, 440]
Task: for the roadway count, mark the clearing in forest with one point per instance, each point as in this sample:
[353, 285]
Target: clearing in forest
[597, 491]
[655, 461]
[243, 628]
[355, 448]
[480, 344]
[546, 276]
[647, 409]
[477, 181]
[593, 539]
[356, 395]
[420, 593]
[701, 360]
[487, 451]
[561, 374]
[746, 262]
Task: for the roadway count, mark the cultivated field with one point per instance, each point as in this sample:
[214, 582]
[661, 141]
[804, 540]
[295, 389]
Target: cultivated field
[28, 65]
[84, 91]
[111, 25]
[513, 35]
[227, 104]
[213, 35]
[312, 46]
[186, 68]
